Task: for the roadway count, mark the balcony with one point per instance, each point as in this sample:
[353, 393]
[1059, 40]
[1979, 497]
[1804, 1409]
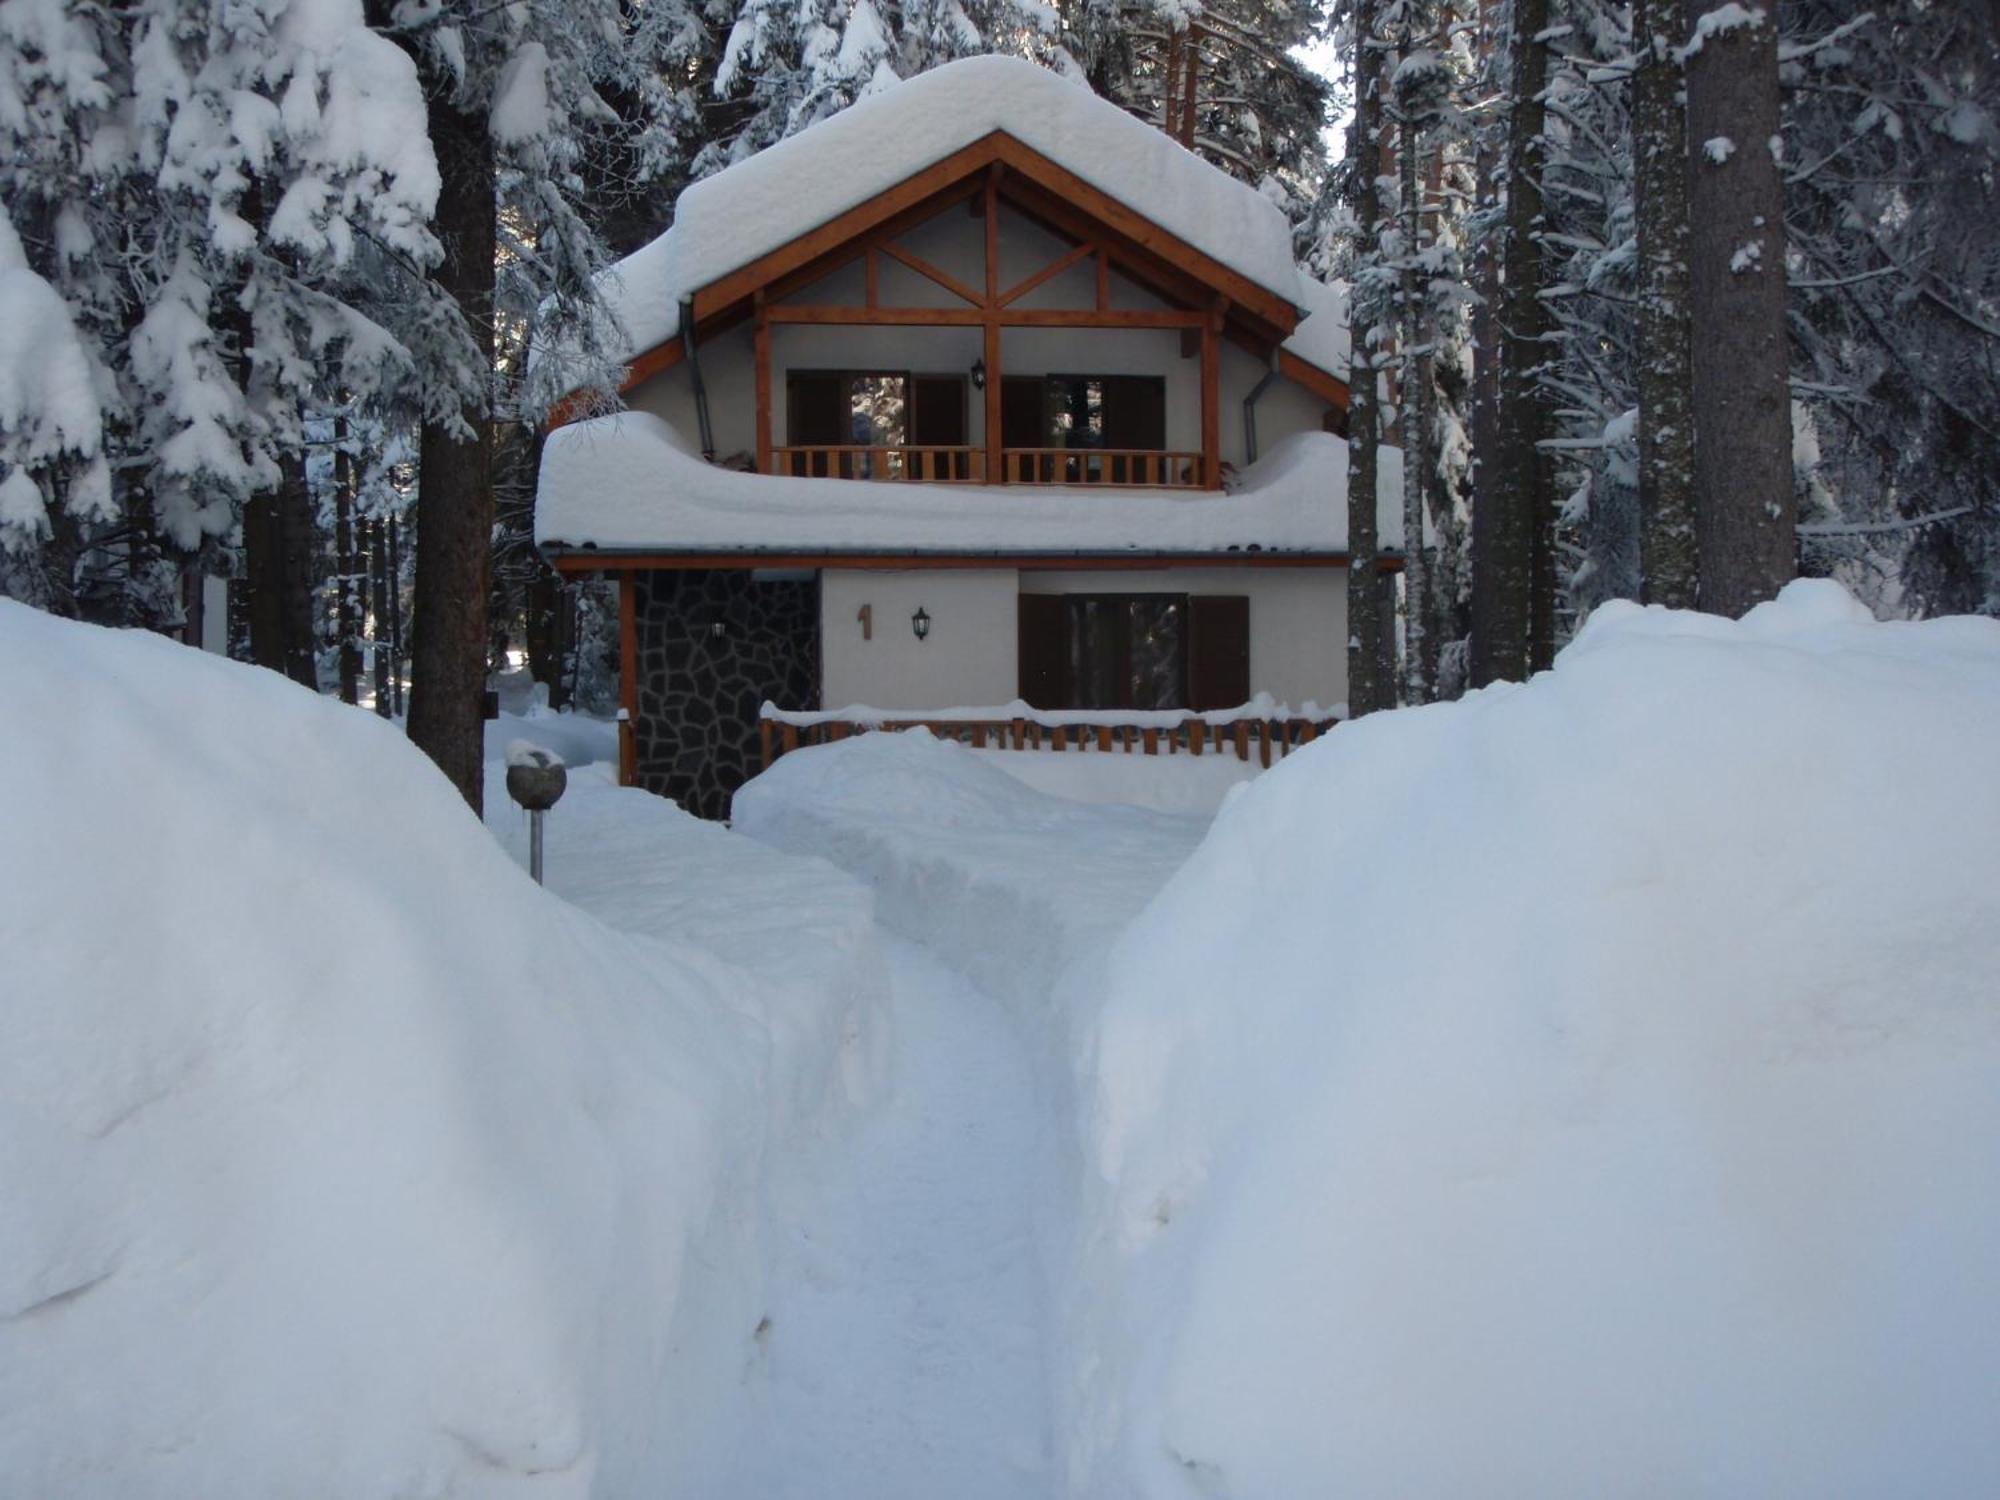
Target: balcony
[1128, 468]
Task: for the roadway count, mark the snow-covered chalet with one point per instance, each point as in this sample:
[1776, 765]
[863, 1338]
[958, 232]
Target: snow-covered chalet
[981, 389]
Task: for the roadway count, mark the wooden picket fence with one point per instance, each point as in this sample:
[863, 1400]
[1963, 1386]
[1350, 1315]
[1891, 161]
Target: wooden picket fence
[1264, 739]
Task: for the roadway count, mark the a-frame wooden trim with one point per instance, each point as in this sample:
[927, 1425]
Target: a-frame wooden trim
[1048, 272]
[1030, 164]
[937, 274]
[1041, 188]
[843, 227]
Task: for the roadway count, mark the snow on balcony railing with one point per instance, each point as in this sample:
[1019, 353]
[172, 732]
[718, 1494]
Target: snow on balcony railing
[1264, 727]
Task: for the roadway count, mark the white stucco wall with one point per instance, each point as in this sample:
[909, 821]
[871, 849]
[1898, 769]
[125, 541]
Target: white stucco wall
[1298, 619]
[955, 241]
[969, 657]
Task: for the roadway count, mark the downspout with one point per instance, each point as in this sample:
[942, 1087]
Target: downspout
[700, 389]
[1250, 411]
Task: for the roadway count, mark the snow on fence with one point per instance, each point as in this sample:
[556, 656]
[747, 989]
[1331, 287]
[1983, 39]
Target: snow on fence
[1262, 727]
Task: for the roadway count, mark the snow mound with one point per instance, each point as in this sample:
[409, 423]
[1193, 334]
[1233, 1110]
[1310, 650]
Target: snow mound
[338, 1158]
[630, 482]
[1589, 1085]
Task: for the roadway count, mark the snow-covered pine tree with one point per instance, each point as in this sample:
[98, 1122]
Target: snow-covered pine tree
[515, 94]
[66, 179]
[1892, 189]
[1590, 296]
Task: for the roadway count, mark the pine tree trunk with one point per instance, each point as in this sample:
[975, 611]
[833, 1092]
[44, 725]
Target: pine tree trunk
[378, 575]
[1414, 416]
[1486, 310]
[1506, 558]
[1746, 514]
[455, 495]
[1366, 639]
[347, 570]
[399, 655]
[1667, 560]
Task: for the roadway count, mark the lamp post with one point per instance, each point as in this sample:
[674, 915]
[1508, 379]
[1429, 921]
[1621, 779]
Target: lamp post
[535, 779]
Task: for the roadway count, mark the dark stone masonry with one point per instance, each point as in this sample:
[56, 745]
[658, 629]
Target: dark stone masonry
[713, 646]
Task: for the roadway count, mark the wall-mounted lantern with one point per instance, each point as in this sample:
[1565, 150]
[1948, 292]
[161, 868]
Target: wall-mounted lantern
[979, 374]
[920, 622]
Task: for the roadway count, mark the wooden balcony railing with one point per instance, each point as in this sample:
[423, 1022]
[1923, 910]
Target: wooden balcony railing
[926, 465]
[1106, 467]
[1147, 467]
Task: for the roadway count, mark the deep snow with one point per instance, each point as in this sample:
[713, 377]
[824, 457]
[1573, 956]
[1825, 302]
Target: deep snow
[1588, 1087]
[337, 1158]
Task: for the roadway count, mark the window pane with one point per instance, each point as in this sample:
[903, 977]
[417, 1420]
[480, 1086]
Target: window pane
[878, 410]
[1159, 654]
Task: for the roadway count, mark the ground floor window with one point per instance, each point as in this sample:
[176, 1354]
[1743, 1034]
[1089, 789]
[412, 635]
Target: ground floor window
[1134, 651]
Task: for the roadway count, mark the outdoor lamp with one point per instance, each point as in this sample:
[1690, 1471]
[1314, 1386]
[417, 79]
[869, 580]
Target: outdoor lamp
[979, 374]
[920, 622]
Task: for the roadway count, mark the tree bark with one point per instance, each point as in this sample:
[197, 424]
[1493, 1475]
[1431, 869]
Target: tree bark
[455, 494]
[347, 570]
[399, 655]
[377, 531]
[1746, 514]
[1516, 508]
[1414, 416]
[1667, 560]
[278, 537]
[1486, 310]
[1366, 639]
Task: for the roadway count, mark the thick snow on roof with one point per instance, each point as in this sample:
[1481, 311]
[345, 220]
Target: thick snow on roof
[629, 482]
[726, 221]
[1321, 337]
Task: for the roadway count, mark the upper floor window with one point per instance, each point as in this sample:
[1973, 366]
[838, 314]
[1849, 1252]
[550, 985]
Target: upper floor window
[1118, 412]
[873, 409]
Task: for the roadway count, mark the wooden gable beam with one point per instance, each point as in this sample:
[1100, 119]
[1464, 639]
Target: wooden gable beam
[1328, 387]
[937, 274]
[1141, 230]
[1048, 272]
[844, 228]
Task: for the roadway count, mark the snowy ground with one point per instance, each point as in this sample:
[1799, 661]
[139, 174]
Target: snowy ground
[931, 1134]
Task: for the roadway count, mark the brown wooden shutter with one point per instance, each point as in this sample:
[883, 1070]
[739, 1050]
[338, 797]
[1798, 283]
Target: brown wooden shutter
[1044, 647]
[937, 410]
[1021, 424]
[1135, 411]
[816, 414]
[1218, 651]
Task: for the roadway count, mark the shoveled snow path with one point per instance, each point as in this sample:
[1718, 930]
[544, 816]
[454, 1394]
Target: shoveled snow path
[905, 1352]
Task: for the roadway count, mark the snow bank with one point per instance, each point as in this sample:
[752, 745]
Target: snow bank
[630, 482]
[1586, 1086]
[745, 211]
[338, 1158]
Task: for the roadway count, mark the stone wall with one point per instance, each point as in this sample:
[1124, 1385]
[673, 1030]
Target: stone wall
[700, 687]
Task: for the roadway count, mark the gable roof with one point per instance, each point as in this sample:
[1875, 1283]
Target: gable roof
[767, 201]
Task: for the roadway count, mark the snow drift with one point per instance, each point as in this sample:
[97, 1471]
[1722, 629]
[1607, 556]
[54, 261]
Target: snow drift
[339, 1159]
[1585, 1088]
